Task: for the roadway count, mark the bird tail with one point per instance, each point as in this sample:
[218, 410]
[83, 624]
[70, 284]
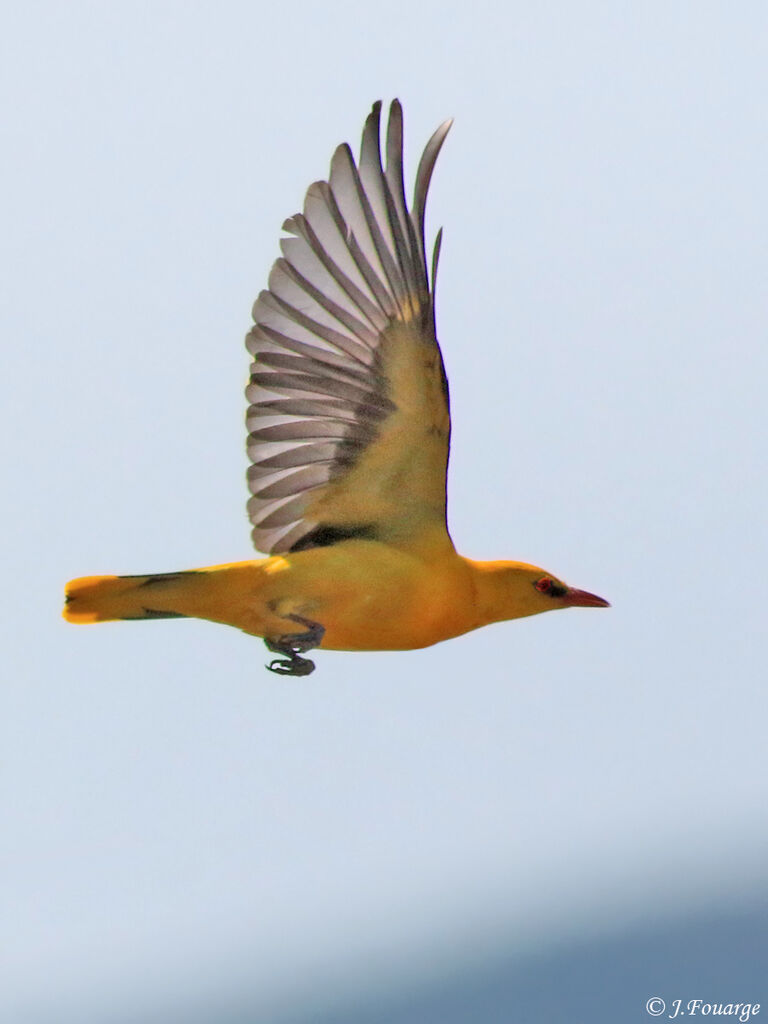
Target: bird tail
[109, 598]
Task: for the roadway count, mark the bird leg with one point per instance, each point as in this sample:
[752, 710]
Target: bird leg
[293, 645]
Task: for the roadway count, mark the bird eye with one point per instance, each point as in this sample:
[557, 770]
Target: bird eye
[543, 585]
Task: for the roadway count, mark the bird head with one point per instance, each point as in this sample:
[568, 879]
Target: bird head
[512, 590]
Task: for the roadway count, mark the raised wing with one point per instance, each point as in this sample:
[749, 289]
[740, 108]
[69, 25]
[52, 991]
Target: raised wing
[349, 423]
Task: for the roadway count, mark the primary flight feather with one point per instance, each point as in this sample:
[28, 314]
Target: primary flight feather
[349, 433]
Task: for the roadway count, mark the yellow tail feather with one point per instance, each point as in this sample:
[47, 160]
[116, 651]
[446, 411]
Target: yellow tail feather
[108, 598]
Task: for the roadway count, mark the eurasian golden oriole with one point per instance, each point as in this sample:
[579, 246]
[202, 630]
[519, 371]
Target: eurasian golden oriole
[349, 432]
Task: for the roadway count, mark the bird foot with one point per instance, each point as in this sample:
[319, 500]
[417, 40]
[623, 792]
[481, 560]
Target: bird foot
[293, 645]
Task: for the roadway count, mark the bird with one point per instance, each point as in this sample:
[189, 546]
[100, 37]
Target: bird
[348, 440]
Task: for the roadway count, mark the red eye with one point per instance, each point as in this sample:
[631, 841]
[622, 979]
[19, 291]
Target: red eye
[543, 585]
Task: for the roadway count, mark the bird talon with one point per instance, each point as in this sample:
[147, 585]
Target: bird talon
[296, 666]
[292, 646]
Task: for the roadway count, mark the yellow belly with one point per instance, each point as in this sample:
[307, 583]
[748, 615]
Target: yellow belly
[368, 596]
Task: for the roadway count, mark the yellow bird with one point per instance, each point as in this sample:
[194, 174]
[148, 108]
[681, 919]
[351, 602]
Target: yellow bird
[349, 432]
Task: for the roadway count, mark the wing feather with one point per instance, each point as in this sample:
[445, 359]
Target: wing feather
[348, 418]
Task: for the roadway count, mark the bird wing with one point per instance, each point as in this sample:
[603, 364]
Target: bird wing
[348, 421]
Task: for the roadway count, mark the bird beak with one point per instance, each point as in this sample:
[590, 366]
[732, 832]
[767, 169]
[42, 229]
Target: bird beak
[581, 599]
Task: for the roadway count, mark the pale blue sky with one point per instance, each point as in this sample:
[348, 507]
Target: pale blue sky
[177, 822]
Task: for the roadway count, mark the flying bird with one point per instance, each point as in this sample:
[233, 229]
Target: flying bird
[349, 433]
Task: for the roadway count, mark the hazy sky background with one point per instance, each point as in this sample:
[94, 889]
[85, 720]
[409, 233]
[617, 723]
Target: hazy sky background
[177, 824]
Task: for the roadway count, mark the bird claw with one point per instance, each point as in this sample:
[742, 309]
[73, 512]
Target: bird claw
[293, 645]
[296, 666]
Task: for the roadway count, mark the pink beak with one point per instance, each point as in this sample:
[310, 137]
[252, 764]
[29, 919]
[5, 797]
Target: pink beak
[581, 599]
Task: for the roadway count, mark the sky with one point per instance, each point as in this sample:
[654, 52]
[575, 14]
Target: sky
[179, 828]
